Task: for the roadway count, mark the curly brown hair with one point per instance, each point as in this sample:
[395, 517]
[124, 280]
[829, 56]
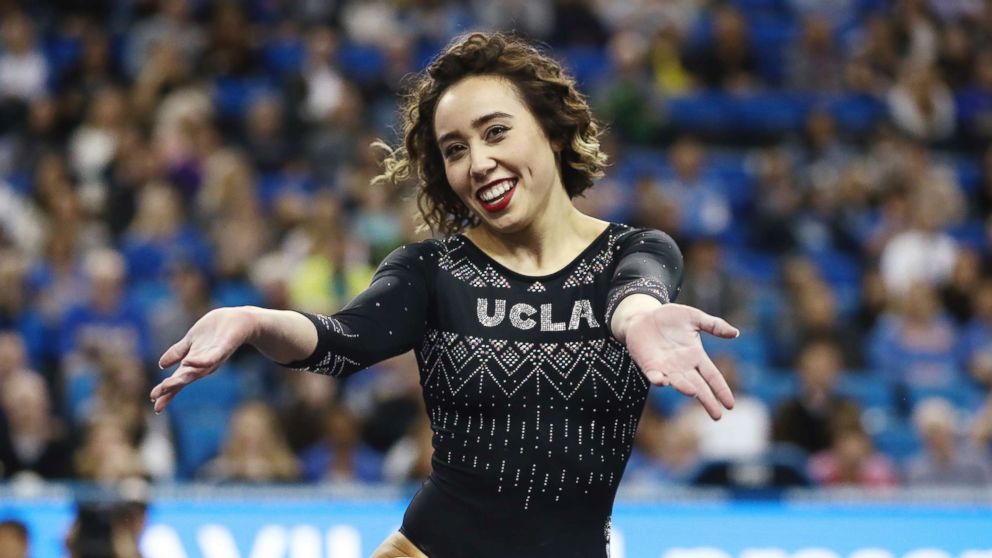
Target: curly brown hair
[547, 90]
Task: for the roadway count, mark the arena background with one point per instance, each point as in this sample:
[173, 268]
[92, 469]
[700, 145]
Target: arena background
[824, 165]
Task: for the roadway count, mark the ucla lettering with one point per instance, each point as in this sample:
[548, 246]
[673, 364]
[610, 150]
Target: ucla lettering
[522, 315]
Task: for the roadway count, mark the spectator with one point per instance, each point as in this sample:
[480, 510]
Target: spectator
[701, 205]
[727, 60]
[957, 295]
[808, 419]
[665, 450]
[230, 50]
[945, 460]
[852, 460]
[923, 253]
[95, 69]
[341, 455]
[577, 24]
[159, 235]
[957, 57]
[920, 104]
[106, 455]
[625, 94]
[410, 458]
[33, 442]
[309, 396]
[106, 321]
[254, 451]
[266, 142]
[744, 434]
[172, 24]
[320, 84]
[814, 61]
[121, 385]
[23, 68]
[19, 317]
[15, 540]
[917, 29]
[977, 335]
[777, 201]
[707, 284]
[917, 345]
[94, 144]
[974, 101]
[189, 298]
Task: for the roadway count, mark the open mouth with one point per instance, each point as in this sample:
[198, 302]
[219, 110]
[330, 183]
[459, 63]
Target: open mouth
[497, 197]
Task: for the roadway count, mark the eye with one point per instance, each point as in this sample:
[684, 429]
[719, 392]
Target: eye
[496, 132]
[453, 150]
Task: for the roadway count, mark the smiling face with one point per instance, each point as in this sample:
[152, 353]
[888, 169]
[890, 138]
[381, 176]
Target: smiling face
[497, 159]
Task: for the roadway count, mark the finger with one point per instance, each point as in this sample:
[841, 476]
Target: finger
[205, 359]
[717, 383]
[174, 353]
[691, 384]
[657, 377]
[163, 402]
[714, 325]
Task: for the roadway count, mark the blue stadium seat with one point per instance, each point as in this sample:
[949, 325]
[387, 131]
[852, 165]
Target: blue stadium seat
[702, 113]
[970, 233]
[836, 267]
[768, 113]
[588, 65]
[730, 167]
[856, 114]
[199, 433]
[754, 266]
[771, 386]
[362, 63]
[220, 390]
[282, 56]
[866, 389]
[751, 347]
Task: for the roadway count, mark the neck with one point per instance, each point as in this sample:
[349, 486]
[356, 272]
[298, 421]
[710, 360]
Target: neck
[546, 242]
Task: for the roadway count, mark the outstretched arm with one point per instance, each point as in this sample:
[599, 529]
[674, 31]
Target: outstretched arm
[663, 338]
[385, 320]
[280, 335]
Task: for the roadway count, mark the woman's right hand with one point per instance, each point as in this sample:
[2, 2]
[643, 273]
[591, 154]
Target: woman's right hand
[210, 342]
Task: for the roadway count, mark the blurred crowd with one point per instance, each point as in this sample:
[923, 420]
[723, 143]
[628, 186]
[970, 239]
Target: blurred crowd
[826, 167]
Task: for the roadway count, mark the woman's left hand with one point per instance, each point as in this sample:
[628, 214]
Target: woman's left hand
[665, 343]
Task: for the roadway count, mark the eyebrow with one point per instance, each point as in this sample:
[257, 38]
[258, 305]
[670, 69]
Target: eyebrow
[478, 122]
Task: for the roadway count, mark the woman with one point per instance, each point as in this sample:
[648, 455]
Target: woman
[531, 327]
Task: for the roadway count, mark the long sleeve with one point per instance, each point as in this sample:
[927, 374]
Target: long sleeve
[385, 320]
[648, 262]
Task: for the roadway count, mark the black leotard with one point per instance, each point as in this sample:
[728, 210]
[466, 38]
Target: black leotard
[532, 401]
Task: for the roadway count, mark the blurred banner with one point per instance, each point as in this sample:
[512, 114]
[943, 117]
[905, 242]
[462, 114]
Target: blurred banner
[288, 528]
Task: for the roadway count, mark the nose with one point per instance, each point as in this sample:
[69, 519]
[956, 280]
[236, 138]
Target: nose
[482, 162]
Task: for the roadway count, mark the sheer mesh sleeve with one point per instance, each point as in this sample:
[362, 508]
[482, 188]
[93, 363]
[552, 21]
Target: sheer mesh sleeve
[385, 320]
[649, 262]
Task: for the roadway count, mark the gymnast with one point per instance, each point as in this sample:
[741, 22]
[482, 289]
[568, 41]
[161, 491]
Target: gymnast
[537, 329]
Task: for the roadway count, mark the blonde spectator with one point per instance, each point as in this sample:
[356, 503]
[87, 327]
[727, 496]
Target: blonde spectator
[255, 449]
[944, 459]
[33, 441]
[107, 456]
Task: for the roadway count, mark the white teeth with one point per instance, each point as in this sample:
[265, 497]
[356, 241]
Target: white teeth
[496, 191]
